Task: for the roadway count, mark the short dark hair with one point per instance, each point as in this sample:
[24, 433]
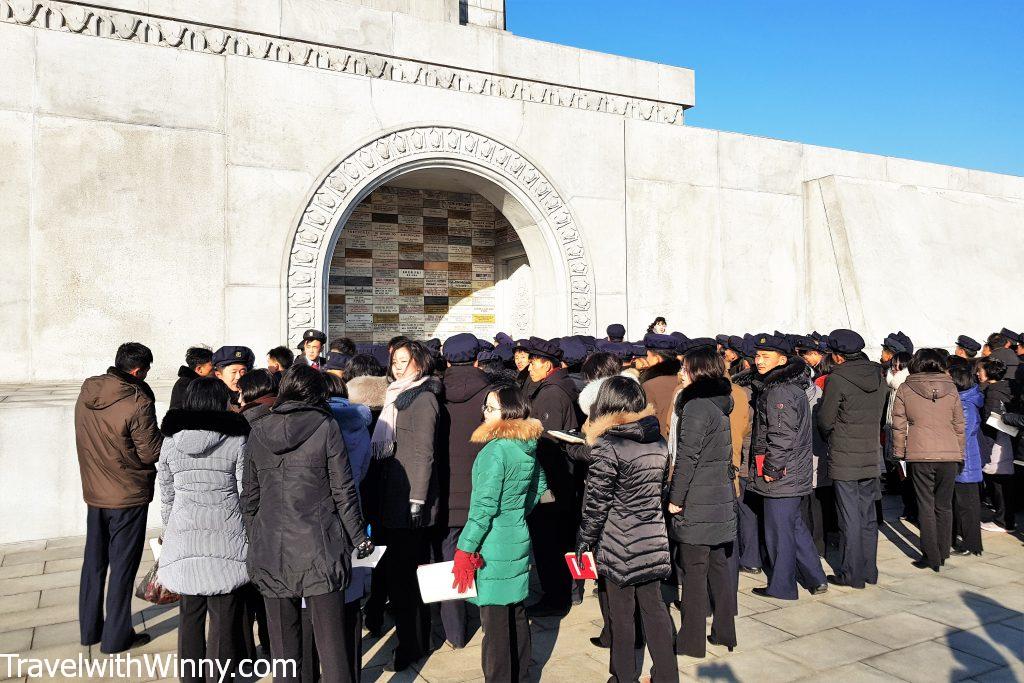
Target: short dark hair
[492, 366]
[198, 355]
[996, 341]
[344, 346]
[257, 384]
[363, 365]
[928, 360]
[618, 395]
[961, 371]
[704, 363]
[419, 354]
[335, 385]
[132, 356]
[600, 364]
[283, 355]
[993, 367]
[303, 384]
[900, 360]
[206, 393]
[513, 402]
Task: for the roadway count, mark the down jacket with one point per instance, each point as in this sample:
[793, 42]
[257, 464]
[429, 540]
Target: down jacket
[702, 479]
[200, 473]
[353, 419]
[465, 390]
[507, 484]
[622, 504]
[927, 419]
[971, 401]
[782, 432]
[849, 417]
[299, 503]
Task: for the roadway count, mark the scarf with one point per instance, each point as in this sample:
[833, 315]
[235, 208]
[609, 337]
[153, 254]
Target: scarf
[894, 380]
[673, 430]
[383, 442]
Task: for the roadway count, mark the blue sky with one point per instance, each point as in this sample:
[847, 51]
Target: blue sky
[938, 81]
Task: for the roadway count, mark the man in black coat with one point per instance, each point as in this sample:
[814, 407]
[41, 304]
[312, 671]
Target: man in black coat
[552, 394]
[781, 467]
[849, 419]
[198, 363]
[465, 391]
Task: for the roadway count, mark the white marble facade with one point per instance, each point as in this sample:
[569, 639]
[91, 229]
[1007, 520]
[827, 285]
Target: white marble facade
[175, 171]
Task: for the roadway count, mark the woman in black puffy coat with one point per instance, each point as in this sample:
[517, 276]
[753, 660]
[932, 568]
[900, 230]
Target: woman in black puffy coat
[702, 502]
[624, 522]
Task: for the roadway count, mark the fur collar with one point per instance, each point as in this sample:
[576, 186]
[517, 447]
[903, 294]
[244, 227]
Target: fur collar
[669, 366]
[520, 430]
[704, 388]
[794, 371]
[406, 398]
[186, 371]
[595, 429]
[744, 378]
[368, 390]
[221, 421]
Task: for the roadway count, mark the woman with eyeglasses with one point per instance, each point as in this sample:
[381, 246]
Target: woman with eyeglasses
[494, 546]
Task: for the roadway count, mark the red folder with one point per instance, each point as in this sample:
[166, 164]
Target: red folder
[588, 570]
[759, 463]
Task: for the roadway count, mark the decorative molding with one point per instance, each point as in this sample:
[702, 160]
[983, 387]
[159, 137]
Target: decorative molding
[341, 189]
[136, 27]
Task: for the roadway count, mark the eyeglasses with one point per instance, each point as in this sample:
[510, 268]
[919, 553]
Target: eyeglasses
[491, 409]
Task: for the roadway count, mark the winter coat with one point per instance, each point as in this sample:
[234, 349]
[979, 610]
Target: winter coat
[744, 380]
[507, 484]
[465, 391]
[997, 400]
[258, 409]
[1012, 362]
[411, 473]
[299, 503]
[660, 383]
[623, 517]
[185, 377]
[740, 421]
[553, 402]
[117, 439]
[850, 419]
[353, 419]
[782, 432]
[819, 447]
[971, 401]
[928, 419]
[996, 445]
[702, 480]
[200, 474]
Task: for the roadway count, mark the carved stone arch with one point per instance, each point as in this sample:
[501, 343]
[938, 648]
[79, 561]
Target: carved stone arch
[398, 152]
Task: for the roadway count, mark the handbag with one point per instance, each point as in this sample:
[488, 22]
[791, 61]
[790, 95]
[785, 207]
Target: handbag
[151, 590]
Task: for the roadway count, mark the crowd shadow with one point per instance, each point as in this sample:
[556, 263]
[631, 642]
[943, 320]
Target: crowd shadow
[902, 536]
[967, 647]
[717, 671]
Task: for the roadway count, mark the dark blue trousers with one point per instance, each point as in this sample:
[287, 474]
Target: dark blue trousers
[858, 528]
[748, 527]
[113, 550]
[791, 552]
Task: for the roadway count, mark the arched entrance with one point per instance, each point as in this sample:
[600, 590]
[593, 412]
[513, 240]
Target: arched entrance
[562, 275]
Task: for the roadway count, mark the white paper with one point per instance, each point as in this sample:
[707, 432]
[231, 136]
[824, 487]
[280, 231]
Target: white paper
[996, 420]
[370, 560]
[156, 547]
[436, 583]
[563, 436]
[903, 467]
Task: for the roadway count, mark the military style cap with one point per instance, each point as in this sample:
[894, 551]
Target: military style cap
[314, 335]
[898, 342]
[967, 343]
[845, 341]
[337, 361]
[1011, 335]
[461, 348]
[662, 342]
[772, 342]
[574, 350]
[616, 332]
[233, 355]
[697, 343]
[544, 349]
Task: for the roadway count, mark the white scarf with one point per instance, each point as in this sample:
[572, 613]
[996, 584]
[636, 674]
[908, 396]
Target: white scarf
[673, 430]
[383, 442]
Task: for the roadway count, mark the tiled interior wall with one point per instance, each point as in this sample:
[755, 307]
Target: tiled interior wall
[416, 262]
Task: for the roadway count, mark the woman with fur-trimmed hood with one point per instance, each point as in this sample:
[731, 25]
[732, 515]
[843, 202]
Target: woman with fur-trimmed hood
[624, 522]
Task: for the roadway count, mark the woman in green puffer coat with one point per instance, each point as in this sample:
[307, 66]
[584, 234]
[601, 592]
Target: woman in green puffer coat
[495, 543]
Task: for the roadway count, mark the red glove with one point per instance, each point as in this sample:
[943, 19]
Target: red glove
[465, 568]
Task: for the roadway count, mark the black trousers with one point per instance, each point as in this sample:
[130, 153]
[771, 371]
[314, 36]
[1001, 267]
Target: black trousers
[858, 530]
[967, 516]
[253, 611]
[606, 630]
[659, 630]
[819, 511]
[748, 527]
[407, 550]
[505, 651]
[222, 644]
[284, 621]
[790, 549]
[454, 613]
[552, 535]
[705, 567]
[113, 550]
[1003, 500]
[353, 627]
[933, 488]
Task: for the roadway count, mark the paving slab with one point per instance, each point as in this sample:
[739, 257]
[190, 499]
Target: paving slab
[39, 616]
[929, 662]
[43, 555]
[18, 570]
[997, 643]
[873, 602]
[963, 613]
[1007, 674]
[752, 634]
[928, 587]
[19, 602]
[26, 584]
[761, 665]
[850, 673]
[899, 630]
[64, 633]
[828, 649]
[801, 620]
[983, 575]
[15, 642]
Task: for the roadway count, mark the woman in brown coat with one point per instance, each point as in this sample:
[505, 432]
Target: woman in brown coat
[928, 432]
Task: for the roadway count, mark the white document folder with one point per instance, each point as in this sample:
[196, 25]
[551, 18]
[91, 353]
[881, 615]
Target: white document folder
[996, 420]
[436, 583]
[370, 560]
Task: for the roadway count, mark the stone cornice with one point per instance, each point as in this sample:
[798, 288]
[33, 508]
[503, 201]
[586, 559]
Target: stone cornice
[100, 22]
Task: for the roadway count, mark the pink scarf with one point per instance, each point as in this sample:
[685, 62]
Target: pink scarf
[383, 442]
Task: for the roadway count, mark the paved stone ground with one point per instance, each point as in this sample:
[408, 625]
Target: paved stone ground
[965, 623]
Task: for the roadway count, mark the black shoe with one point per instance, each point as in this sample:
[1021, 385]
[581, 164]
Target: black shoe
[138, 640]
[762, 591]
[960, 552]
[597, 642]
[819, 589]
[396, 664]
[839, 581]
[750, 570]
[712, 641]
[923, 564]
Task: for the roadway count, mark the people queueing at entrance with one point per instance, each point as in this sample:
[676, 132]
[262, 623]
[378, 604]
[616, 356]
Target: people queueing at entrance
[699, 459]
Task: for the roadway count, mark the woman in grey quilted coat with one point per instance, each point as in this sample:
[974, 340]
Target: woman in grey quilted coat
[204, 544]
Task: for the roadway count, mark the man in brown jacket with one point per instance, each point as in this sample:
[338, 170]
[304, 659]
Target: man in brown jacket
[660, 378]
[118, 444]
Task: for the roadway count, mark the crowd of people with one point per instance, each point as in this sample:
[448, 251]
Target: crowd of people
[676, 461]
